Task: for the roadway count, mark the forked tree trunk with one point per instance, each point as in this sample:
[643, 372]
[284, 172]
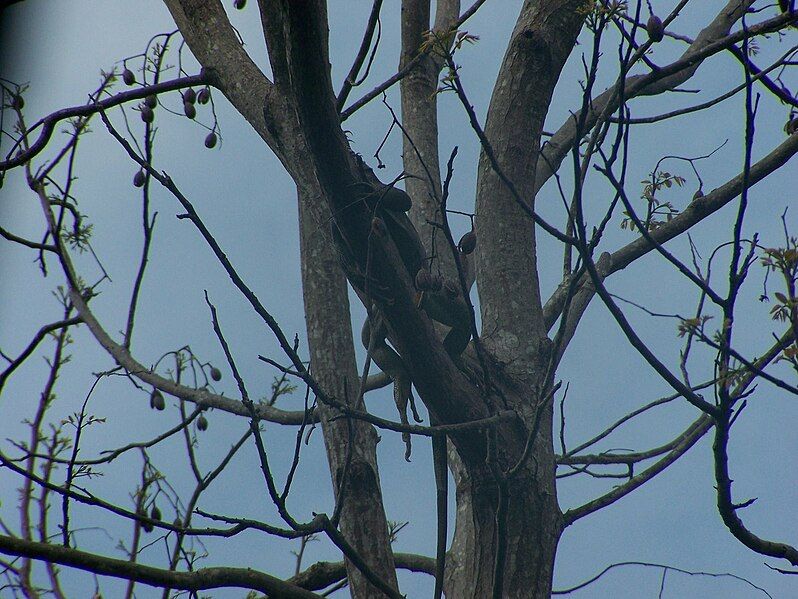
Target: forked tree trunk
[525, 546]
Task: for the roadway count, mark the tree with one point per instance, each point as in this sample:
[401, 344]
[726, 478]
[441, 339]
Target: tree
[490, 409]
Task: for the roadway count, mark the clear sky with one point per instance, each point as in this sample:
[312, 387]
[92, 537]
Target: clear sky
[248, 200]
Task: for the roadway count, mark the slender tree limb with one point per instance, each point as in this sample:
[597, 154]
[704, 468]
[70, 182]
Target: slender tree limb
[34, 343]
[712, 39]
[582, 585]
[351, 79]
[697, 430]
[49, 122]
[695, 212]
[321, 575]
[657, 402]
[8, 235]
[203, 579]
[406, 69]
[690, 436]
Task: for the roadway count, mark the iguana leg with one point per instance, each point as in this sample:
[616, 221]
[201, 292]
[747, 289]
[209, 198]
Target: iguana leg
[452, 312]
[390, 363]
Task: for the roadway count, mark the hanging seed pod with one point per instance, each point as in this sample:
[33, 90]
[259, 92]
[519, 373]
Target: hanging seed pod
[210, 140]
[128, 77]
[155, 513]
[698, 195]
[239, 4]
[145, 526]
[656, 31]
[139, 178]
[189, 110]
[17, 102]
[204, 95]
[216, 374]
[202, 423]
[423, 280]
[156, 400]
[147, 115]
[151, 101]
[189, 96]
[468, 242]
[791, 126]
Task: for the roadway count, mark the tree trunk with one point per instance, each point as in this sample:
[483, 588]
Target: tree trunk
[269, 110]
[515, 519]
[530, 540]
[514, 331]
[332, 356]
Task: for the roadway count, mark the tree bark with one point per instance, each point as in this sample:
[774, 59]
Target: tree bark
[269, 110]
[505, 545]
[332, 357]
[514, 332]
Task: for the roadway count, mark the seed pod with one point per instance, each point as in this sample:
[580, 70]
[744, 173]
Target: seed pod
[189, 109]
[151, 101]
[155, 513]
[202, 423]
[698, 195]
[656, 31]
[791, 126]
[156, 400]
[178, 523]
[128, 77]
[17, 102]
[189, 96]
[423, 280]
[146, 526]
[216, 374]
[139, 178]
[147, 115]
[239, 4]
[204, 95]
[210, 140]
[468, 242]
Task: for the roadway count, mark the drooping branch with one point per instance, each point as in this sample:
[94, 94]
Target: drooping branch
[442, 22]
[351, 79]
[685, 440]
[664, 568]
[697, 430]
[48, 123]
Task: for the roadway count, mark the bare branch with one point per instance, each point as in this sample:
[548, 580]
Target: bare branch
[49, 122]
[202, 579]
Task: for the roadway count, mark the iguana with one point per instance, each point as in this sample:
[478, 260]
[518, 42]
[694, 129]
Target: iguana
[443, 302]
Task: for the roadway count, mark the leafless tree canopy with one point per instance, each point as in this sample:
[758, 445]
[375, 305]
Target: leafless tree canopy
[467, 332]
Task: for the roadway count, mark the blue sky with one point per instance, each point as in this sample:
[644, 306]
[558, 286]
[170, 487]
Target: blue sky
[248, 200]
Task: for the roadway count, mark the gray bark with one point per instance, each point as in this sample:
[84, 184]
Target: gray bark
[269, 109]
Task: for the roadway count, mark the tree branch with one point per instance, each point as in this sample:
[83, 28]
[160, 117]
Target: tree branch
[202, 579]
